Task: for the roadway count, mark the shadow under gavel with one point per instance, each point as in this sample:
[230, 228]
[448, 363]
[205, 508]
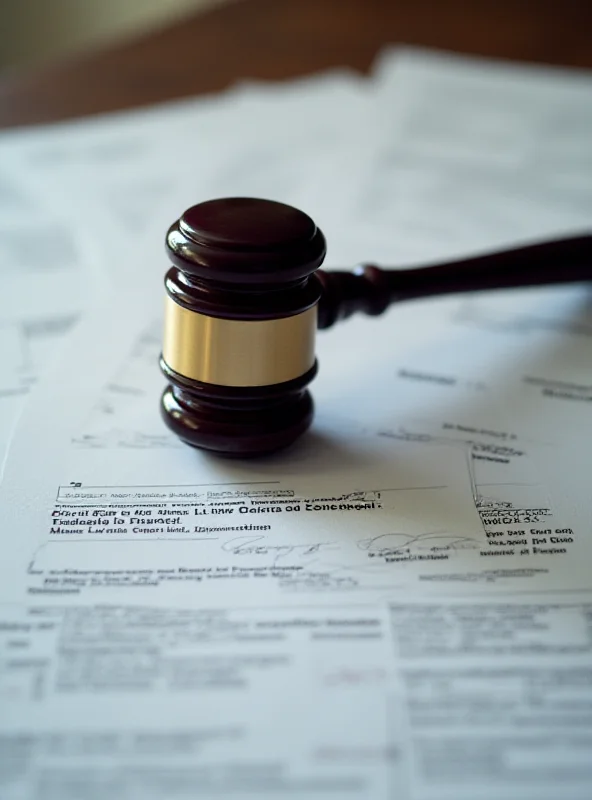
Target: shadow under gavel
[244, 298]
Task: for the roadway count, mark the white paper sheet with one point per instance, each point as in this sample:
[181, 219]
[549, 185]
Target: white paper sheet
[499, 154]
[49, 272]
[431, 639]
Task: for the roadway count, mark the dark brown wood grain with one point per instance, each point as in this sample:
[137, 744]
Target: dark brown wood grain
[371, 290]
[280, 39]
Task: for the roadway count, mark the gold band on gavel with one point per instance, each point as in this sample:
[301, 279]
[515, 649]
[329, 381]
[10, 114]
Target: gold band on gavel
[229, 352]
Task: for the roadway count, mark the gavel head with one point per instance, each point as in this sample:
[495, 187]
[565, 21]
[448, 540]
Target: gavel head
[240, 323]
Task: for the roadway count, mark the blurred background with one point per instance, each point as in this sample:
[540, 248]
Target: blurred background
[33, 32]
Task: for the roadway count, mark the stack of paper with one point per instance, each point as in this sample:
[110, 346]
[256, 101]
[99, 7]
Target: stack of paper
[398, 606]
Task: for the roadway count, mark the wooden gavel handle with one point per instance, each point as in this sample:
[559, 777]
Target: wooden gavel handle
[372, 290]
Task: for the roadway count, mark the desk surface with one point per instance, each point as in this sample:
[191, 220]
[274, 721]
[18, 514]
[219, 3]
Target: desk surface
[280, 39]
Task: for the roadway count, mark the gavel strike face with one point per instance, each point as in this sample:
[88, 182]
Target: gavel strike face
[244, 299]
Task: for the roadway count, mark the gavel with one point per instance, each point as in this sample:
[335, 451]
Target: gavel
[244, 298]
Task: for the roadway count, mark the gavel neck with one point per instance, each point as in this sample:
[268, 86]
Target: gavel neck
[371, 290]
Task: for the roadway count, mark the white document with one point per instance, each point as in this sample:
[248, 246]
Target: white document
[322, 519]
[49, 272]
[397, 606]
[499, 155]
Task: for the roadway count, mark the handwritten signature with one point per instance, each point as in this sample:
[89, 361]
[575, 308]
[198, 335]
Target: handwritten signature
[436, 541]
[257, 546]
